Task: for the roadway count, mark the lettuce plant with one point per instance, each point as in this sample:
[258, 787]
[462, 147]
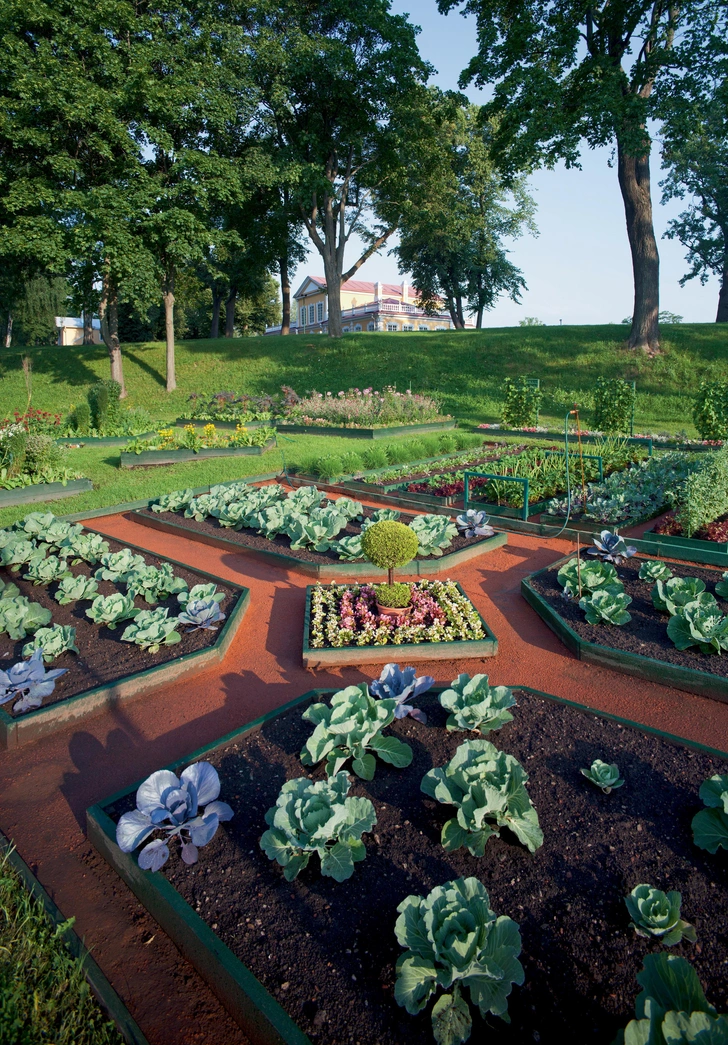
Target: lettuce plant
[174, 805]
[112, 609]
[604, 775]
[19, 616]
[73, 589]
[318, 818]
[710, 825]
[455, 940]
[29, 681]
[202, 614]
[201, 591]
[475, 705]
[485, 785]
[151, 629]
[45, 571]
[52, 642]
[672, 1008]
[84, 547]
[607, 607]
[656, 915]
[699, 625]
[594, 576]
[611, 547]
[671, 595]
[153, 583]
[474, 524]
[172, 502]
[351, 727]
[655, 571]
[401, 685]
[116, 565]
[434, 533]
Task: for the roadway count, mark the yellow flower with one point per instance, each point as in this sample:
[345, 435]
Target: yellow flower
[240, 428]
[209, 431]
[166, 433]
[190, 428]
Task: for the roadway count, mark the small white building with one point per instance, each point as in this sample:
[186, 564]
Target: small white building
[70, 330]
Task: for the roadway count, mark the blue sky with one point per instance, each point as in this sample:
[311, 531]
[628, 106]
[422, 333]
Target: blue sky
[578, 269]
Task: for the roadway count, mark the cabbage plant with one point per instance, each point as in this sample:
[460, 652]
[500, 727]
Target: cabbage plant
[655, 571]
[475, 705]
[29, 681]
[115, 565]
[721, 588]
[317, 533]
[19, 616]
[485, 785]
[474, 524]
[172, 502]
[202, 614]
[153, 583]
[611, 547]
[656, 915]
[348, 548]
[604, 775]
[351, 727]
[174, 806]
[52, 642]
[606, 607]
[434, 533]
[699, 625]
[671, 595]
[83, 547]
[318, 818]
[710, 825]
[46, 527]
[401, 685]
[201, 591]
[45, 571]
[454, 941]
[8, 590]
[112, 609]
[594, 576]
[151, 629]
[305, 498]
[20, 552]
[348, 507]
[382, 515]
[73, 589]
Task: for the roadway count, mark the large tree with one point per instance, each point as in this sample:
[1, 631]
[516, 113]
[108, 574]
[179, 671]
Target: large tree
[567, 70]
[334, 78]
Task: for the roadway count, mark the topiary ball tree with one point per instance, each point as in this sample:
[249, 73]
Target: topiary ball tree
[389, 544]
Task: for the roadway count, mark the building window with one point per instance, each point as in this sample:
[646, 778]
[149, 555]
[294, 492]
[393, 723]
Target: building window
[371, 326]
[320, 312]
[311, 315]
[392, 326]
[345, 330]
[407, 326]
[442, 328]
[421, 327]
[357, 328]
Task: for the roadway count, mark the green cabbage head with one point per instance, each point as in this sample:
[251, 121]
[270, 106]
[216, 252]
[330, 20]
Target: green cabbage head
[475, 705]
[656, 915]
[710, 825]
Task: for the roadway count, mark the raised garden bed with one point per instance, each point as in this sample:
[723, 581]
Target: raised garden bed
[106, 440]
[155, 457]
[642, 646]
[44, 492]
[107, 672]
[692, 549]
[383, 649]
[367, 433]
[323, 565]
[634, 440]
[322, 954]
[224, 425]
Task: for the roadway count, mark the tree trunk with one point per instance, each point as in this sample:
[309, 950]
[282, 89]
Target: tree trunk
[215, 325]
[333, 292]
[88, 327]
[634, 182]
[285, 295]
[9, 331]
[461, 319]
[109, 313]
[722, 316]
[230, 311]
[168, 296]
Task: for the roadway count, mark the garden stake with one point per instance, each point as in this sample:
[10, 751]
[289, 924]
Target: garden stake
[578, 562]
[581, 459]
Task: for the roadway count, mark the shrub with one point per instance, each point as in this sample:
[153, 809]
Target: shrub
[522, 403]
[82, 418]
[42, 452]
[703, 495]
[389, 544]
[12, 450]
[394, 596]
[710, 411]
[613, 405]
[98, 401]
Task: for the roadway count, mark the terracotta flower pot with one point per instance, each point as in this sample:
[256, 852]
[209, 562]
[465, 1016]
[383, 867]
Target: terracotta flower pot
[394, 611]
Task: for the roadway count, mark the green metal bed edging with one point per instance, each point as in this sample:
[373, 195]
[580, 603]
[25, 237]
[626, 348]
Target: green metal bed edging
[506, 478]
[105, 994]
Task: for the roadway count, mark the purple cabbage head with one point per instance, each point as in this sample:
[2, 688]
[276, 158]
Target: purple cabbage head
[400, 684]
[611, 547]
[474, 524]
[174, 805]
[29, 681]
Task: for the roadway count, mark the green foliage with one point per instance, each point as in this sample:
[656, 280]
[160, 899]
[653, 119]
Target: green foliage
[12, 451]
[434, 534]
[655, 571]
[74, 589]
[86, 547]
[200, 591]
[351, 727]
[98, 401]
[154, 583]
[710, 412]
[703, 494]
[42, 453]
[45, 571]
[18, 552]
[116, 565]
[614, 401]
[318, 818]
[18, 616]
[604, 775]
[522, 403]
[173, 502]
[606, 607]
[389, 544]
[697, 624]
[671, 595]
[394, 596]
[453, 937]
[53, 641]
[81, 418]
[475, 705]
[656, 915]
[112, 609]
[710, 825]
[485, 785]
[593, 575]
[151, 630]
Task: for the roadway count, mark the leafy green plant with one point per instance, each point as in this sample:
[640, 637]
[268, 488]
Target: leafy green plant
[455, 940]
[351, 727]
[151, 629]
[672, 595]
[389, 544]
[434, 534]
[116, 565]
[394, 596]
[173, 502]
[318, 818]
[656, 915]
[8, 590]
[45, 571]
[112, 609]
[721, 588]
[200, 591]
[703, 495]
[153, 583]
[348, 548]
[613, 405]
[699, 625]
[604, 775]
[475, 705]
[522, 402]
[202, 614]
[606, 607]
[592, 575]
[655, 571]
[710, 410]
[84, 547]
[710, 825]
[19, 616]
[20, 552]
[53, 641]
[315, 531]
[73, 589]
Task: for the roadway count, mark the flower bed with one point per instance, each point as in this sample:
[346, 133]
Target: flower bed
[169, 447]
[362, 409]
[323, 953]
[642, 645]
[342, 626]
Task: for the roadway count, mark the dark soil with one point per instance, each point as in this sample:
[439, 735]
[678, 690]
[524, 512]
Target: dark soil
[327, 951]
[102, 656]
[646, 634]
[716, 531]
[282, 543]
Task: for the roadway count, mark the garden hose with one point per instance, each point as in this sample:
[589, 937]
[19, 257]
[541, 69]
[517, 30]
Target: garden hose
[552, 536]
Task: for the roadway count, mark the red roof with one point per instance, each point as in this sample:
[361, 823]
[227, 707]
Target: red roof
[361, 286]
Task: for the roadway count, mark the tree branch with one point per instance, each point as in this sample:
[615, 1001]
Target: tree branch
[367, 254]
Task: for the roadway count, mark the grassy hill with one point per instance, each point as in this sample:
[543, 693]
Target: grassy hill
[466, 367]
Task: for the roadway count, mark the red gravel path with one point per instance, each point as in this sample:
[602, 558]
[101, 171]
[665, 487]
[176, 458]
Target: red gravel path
[46, 788]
